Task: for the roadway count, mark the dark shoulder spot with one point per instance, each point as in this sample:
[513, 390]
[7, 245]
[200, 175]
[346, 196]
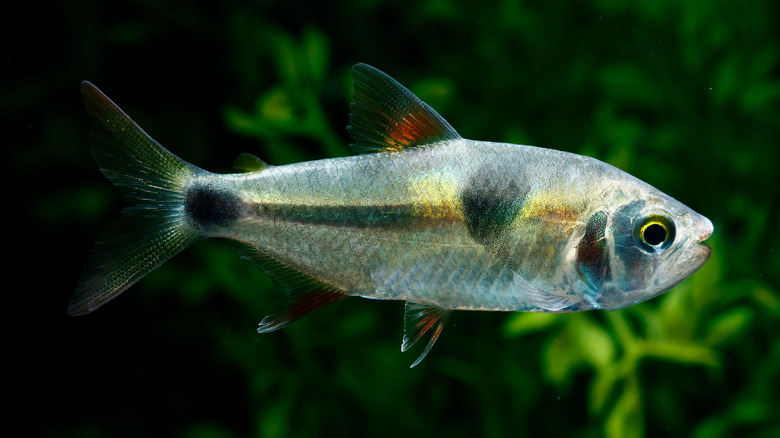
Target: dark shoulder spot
[491, 204]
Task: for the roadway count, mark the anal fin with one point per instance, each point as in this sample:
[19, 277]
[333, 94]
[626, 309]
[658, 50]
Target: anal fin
[419, 319]
[297, 295]
[297, 305]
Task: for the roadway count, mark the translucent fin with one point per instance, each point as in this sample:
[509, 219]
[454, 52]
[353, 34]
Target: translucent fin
[144, 235]
[249, 163]
[142, 169]
[297, 295]
[418, 320]
[540, 298]
[297, 304]
[133, 244]
[385, 116]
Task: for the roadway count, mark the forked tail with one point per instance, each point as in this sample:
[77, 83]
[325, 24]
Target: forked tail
[155, 227]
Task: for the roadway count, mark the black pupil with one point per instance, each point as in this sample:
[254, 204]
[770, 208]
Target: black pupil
[655, 234]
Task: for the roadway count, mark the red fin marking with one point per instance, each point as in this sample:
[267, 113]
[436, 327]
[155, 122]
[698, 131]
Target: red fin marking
[418, 320]
[385, 116]
[298, 307]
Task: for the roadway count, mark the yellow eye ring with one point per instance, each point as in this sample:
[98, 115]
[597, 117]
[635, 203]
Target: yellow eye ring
[655, 233]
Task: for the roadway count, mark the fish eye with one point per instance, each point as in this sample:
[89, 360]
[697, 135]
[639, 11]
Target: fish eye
[655, 233]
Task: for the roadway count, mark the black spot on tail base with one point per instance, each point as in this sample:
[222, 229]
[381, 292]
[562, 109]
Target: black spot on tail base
[209, 207]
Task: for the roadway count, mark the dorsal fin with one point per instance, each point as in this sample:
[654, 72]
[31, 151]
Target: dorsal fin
[385, 116]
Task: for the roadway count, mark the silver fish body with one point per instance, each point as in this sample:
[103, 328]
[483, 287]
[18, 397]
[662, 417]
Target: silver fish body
[422, 215]
[393, 225]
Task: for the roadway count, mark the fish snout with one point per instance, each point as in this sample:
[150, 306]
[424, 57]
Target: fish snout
[706, 230]
[703, 231]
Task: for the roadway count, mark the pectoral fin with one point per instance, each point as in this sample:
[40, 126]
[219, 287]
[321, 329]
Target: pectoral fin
[540, 297]
[418, 320]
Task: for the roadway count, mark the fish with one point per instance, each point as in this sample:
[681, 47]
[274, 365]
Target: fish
[418, 214]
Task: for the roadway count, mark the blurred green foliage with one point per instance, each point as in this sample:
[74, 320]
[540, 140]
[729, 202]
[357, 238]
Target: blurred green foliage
[684, 95]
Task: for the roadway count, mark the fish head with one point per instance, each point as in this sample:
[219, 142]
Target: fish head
[643, 246]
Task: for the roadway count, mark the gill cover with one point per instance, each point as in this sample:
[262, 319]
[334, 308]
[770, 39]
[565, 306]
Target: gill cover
[592, 257]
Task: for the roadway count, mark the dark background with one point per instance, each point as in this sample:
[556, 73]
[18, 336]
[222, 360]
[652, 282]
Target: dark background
[684, 95]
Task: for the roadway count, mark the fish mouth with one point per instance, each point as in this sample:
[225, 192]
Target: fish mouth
[702, 254]
[706, 231]
[697, 256]
[705, 252]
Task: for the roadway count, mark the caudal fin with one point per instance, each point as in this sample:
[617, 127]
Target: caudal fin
[154, 228]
